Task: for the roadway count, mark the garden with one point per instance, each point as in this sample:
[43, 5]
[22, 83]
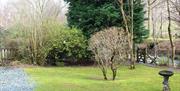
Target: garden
[89, 45]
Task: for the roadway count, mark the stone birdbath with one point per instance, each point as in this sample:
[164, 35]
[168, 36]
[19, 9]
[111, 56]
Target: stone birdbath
[166, 74]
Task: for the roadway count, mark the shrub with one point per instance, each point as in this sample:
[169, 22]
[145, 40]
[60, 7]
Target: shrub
[162, 61]
[36, 43]
[110, 48]
[177, 57]
[63, 44]
[60, 64]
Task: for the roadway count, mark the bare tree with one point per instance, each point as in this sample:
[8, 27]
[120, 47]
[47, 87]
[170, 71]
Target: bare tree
[176, 15]
[127, 30]
[175, 11]
[32, 15]
[169, 32]
[150, 3]
[110, 47]
[155, 10]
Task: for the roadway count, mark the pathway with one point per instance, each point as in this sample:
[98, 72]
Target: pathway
[14, 79]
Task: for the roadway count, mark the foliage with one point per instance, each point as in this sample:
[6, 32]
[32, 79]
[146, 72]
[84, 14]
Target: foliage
[36, 43]
[95, 15]
[62, 43]
[1, 37]
[60, 64]
[110, 47]
[163, 61]
[177, 57]
[140, 33]
[13, 38]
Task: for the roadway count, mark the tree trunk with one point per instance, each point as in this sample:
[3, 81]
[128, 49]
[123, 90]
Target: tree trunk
[104, 74]
[102, 65]
[149, 16]
[114, 71]
[168, 56]
[113, 66]
[154, 39]
[170, 34]
[130, 35]
[161, 26]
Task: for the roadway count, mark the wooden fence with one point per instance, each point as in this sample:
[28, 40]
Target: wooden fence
[7, 55]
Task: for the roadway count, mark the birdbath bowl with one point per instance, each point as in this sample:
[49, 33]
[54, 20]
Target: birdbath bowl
[166, 74]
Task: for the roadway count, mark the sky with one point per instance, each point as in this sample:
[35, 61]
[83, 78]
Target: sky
[6, 8]
[3, 2]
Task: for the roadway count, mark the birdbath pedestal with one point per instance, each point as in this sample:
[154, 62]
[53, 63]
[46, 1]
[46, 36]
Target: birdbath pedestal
[166, 74]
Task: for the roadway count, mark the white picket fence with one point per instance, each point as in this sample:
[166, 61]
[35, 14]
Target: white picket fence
[7, 55]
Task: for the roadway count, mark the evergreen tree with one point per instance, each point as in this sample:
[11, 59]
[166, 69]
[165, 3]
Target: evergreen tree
[94, 15]
[140, 32]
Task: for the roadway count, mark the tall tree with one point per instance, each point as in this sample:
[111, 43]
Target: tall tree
[170, 34]
[149, 11]
[127, 30]
[140, 32]
[94, 15]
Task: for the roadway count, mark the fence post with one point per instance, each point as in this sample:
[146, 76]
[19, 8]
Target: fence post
[6, 55]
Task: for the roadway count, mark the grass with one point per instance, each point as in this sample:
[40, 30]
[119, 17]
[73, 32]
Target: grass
[90, 79]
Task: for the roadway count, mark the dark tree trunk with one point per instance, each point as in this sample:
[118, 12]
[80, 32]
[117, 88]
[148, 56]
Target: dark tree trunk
[104, 74]
[114, 73]
[113, 68]
[170, 34]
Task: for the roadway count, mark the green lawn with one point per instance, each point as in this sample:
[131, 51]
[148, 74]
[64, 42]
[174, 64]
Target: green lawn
[90, 79]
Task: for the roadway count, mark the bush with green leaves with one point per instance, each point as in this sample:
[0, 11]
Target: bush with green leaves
[50, 41]
[63, 44]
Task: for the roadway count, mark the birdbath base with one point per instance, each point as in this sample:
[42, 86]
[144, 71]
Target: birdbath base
[166, 74]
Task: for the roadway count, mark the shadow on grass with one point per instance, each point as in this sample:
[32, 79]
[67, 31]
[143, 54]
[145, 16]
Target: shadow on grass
[99, 78]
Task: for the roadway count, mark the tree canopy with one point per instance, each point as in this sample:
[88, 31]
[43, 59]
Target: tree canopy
[95, 15]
